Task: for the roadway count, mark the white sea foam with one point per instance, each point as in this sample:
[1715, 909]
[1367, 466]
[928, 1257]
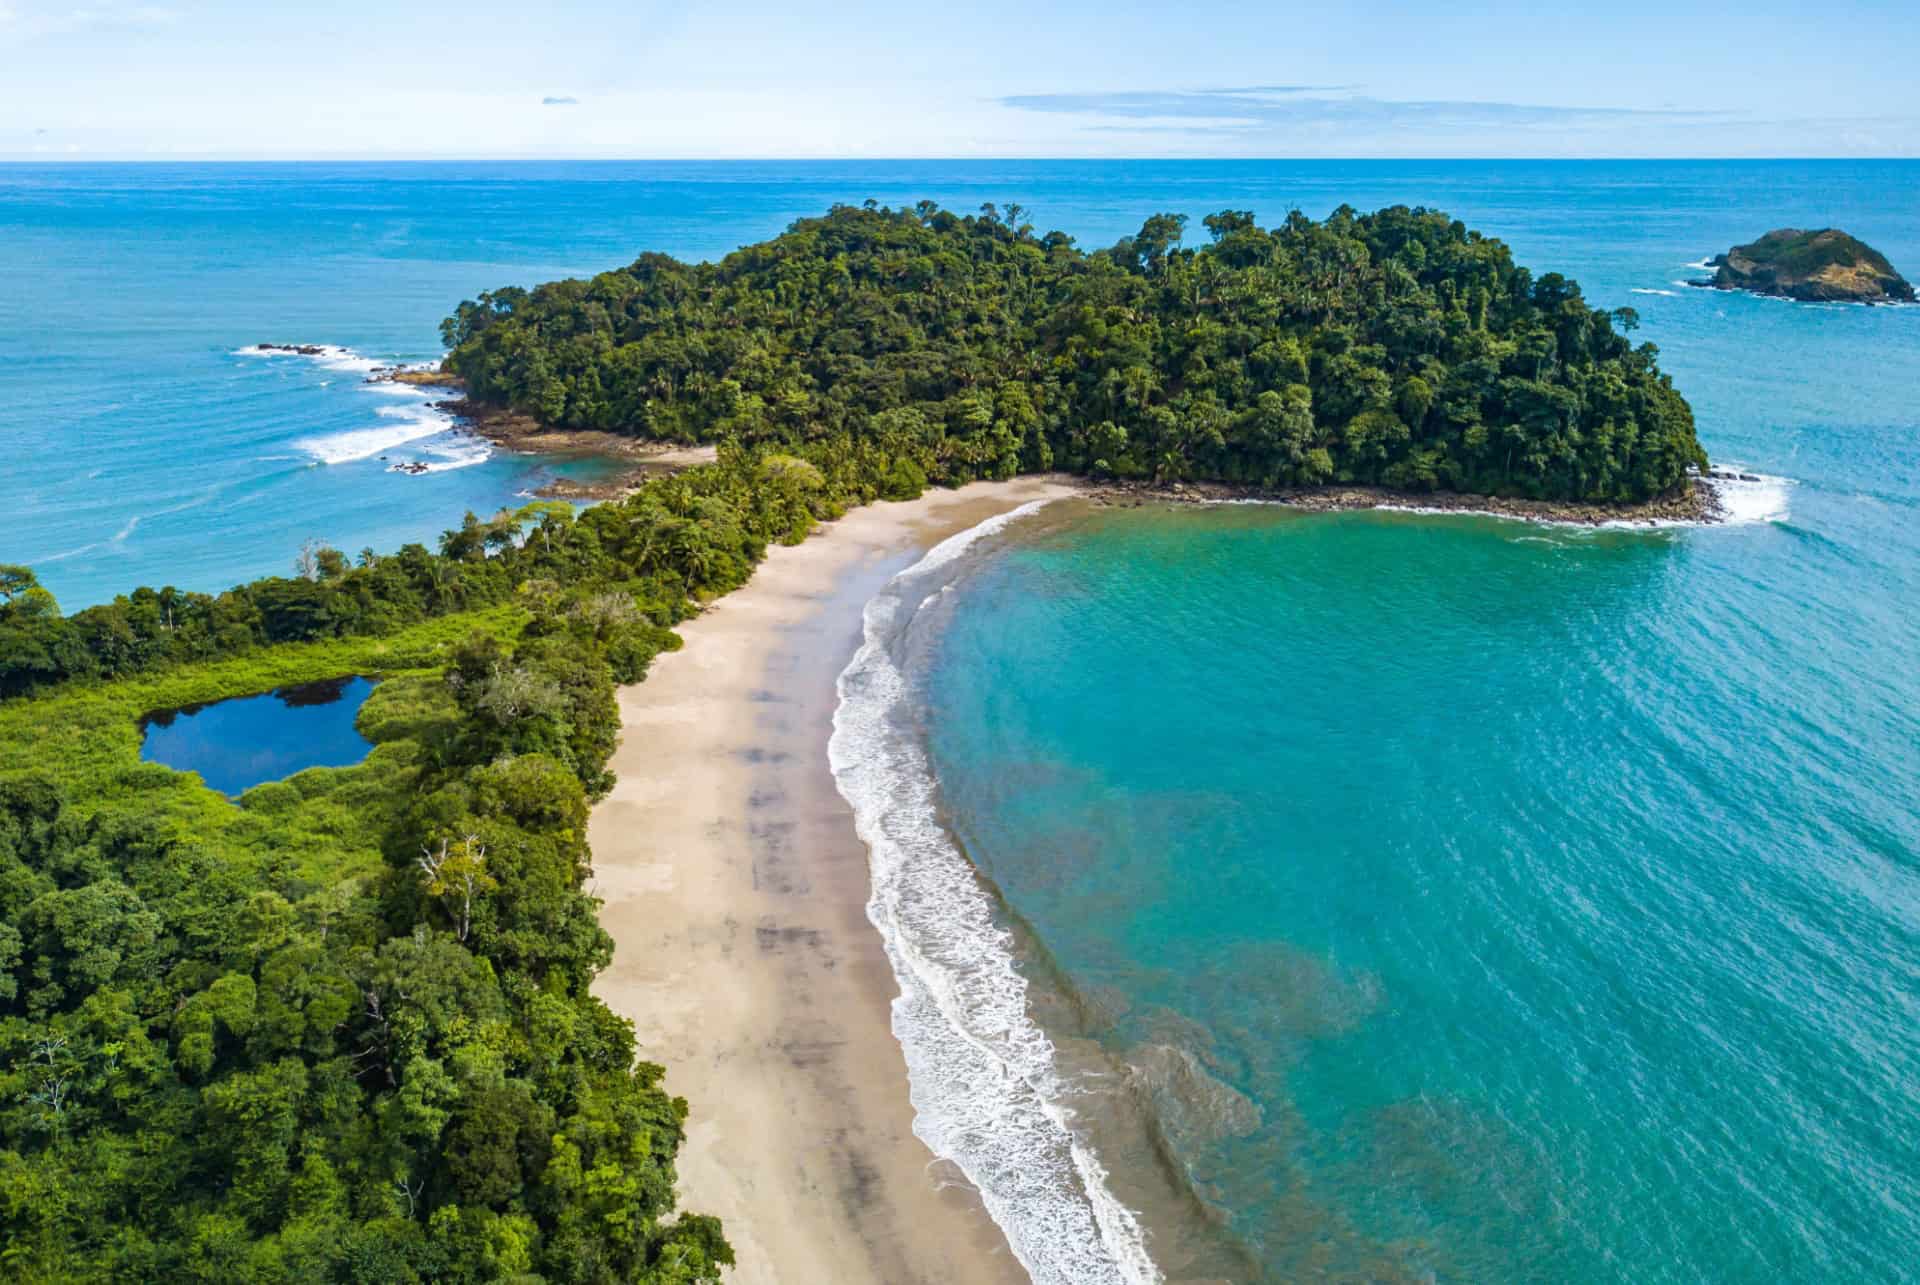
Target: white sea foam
[438, 444]
[326, 356]
[435, 442]
[1649, 290]
[1701, 264]
[983, 1079]
[444, 455]
[1743, 503]
[402, 424]
[1765, 499]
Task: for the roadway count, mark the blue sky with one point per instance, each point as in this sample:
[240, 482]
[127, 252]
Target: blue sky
[177, 79]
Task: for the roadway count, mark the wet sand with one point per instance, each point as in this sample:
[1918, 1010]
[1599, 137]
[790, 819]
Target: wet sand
[735, 890]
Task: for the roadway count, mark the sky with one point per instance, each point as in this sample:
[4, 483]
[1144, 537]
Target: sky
[175, 79]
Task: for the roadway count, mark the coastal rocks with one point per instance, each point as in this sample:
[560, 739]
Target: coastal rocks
[298, 350]
[1826, 266]
[1701, 503]
[566, 488]
[415, 376]
[633, 459]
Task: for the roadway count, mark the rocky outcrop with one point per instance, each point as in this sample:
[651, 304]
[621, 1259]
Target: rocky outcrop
[1827, 266]
[419, 377]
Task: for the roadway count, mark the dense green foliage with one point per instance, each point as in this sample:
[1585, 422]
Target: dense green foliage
[341, 1029]
[218, 1069]
[684, 538]
[1395, 348]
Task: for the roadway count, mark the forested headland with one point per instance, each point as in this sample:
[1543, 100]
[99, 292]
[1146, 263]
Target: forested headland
[340, 1028]
[1396, 349]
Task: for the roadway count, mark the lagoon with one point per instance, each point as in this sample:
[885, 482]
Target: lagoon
[237, 744]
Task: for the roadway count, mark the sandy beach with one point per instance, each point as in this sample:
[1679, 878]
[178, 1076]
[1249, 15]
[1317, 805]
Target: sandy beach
[735, 890]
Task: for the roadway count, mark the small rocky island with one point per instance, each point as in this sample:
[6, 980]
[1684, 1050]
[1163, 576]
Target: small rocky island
[1827, 266]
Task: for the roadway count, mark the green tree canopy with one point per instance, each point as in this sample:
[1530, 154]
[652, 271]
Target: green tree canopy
[1411, 353]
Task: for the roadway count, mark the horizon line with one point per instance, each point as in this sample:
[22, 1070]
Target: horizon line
[70, 158]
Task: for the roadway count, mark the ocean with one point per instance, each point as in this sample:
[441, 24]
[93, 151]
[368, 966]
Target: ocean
[1360, 896]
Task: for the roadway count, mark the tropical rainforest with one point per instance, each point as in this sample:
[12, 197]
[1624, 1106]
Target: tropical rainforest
[1396, 349]
[341, 1028]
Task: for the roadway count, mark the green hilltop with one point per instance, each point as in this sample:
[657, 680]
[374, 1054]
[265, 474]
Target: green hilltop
[1396, 348]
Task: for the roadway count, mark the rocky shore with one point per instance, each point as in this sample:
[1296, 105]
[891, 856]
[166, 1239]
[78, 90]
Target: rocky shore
[1700, 504]
[416, 376]
[633, 460]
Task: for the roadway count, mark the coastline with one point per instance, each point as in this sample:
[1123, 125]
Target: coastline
[736, 890]
[1704, 505]
[511, 431]
[765, 950]
[635, 459]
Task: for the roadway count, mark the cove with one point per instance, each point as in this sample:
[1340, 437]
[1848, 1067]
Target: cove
[1462, 900]
[237, 744]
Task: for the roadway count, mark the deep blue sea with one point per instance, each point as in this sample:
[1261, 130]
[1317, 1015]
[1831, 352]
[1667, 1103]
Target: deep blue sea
[1399, 897]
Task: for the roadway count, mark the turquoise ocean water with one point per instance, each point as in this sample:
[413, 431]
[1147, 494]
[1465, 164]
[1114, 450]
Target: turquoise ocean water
[1402, 897]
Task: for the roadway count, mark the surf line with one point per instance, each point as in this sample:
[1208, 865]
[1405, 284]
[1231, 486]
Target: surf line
[418, 419]
[982, 1075]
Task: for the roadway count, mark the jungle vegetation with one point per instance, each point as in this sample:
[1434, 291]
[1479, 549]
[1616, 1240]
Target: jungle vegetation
[341, 1028]
[1396, 348]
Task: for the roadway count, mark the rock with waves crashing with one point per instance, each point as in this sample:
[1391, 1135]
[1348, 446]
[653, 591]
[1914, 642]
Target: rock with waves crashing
[1826, 266]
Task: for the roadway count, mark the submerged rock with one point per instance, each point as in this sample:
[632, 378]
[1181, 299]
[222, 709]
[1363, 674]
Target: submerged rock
[1827, 266]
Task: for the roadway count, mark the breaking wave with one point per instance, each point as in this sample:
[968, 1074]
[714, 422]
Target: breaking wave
[986, 1089]
[325, 356]
[1745, 499]
[438, 441]
[1752, 497]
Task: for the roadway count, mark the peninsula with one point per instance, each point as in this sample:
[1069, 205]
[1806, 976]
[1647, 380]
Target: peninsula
[1396, 349]
[378, 1019]
[1826, 266]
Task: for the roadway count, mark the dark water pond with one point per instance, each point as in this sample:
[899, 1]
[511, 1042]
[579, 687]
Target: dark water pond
[236, 744]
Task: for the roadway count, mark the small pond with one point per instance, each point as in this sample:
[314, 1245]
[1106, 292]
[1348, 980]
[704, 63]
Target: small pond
[236, 744]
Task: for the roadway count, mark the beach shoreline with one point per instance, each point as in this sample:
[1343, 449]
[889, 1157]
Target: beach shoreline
[735, 888]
